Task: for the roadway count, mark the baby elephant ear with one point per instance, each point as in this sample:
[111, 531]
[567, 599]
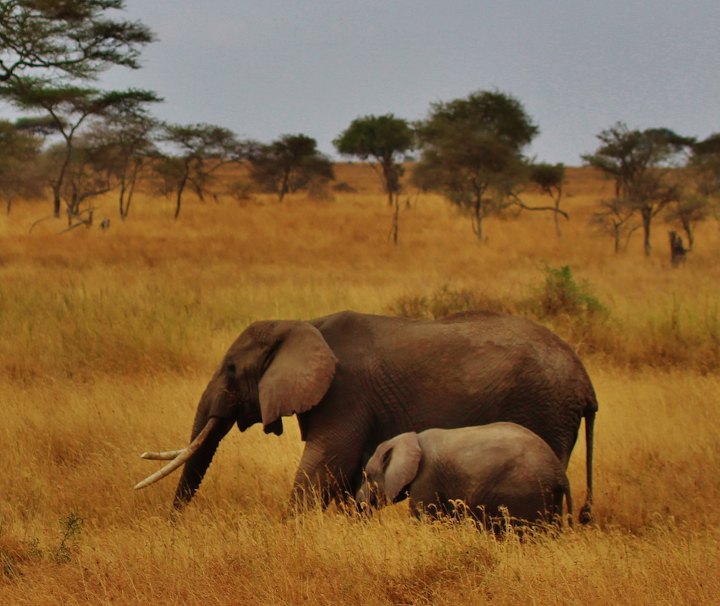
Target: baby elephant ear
[299, 374]
[401, 463]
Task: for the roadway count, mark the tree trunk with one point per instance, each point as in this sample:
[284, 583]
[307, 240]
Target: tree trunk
[687, 228]
[178, 199]
[646, 219]
[57, 201]
[181, 188]
[477, 220]
[391, 179]
[57, 185]
[616, 233]
[131, 188]
[72, 206]
[122, 198]
[396, 219]
[556, 216]
[284, 186]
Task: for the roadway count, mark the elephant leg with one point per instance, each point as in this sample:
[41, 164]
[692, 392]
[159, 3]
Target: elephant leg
[325, 475]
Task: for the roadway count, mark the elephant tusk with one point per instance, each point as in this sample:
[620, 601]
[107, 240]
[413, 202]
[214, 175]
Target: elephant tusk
[166, 455]
[184, 455]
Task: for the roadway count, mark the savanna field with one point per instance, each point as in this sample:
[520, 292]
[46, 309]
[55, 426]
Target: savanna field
[107, 339]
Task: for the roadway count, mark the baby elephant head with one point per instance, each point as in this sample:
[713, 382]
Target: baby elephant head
[391, 468]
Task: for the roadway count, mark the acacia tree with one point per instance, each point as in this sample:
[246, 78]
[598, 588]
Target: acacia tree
[68, 107]
[700, 188]
[385, 141]
[638, 162]
[200, 150]
[615, 217]
[472, 152]
[88, 175]
[705, 165]
[288, 164]
[73, 39]
[126, 137]
[19, 173]
[47, 46]
[550, 179]
[686, 212]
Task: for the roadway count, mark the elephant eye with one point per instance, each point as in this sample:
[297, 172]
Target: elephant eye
[230, 367]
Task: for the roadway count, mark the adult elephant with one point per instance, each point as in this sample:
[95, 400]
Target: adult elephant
[355, 380]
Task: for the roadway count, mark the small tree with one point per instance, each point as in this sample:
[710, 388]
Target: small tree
[288, 164]
[705, 165]
[200, 150]
[615, 217]
[19, 174]
[472, 152]
[687, 212]
[550, 179]
[385, 141]
[126, 137]
[638, 162]
[88, 174]
[68, 108]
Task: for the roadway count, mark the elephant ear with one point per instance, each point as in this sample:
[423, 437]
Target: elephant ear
[299, 374]
[401, 461]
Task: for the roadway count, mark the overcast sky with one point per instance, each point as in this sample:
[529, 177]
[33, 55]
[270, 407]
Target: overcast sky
[265, 68]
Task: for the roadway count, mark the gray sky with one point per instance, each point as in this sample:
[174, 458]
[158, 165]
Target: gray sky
[265, 68]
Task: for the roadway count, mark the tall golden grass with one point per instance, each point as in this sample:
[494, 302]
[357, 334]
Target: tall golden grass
[107, 340]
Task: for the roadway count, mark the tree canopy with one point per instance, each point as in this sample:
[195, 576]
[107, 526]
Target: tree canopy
[635, 160]
[550, 179]
[66, 108]
[705, 161]
[385, 141]
[471, 150]
[49, 48]
[19, 174]
[66, 38]
[288, 164]
[198, 150]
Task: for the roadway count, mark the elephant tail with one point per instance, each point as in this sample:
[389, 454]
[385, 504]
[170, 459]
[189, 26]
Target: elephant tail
[586, 511]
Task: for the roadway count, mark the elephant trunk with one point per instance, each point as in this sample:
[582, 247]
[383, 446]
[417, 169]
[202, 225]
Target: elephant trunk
[198, 463]
[213, 420]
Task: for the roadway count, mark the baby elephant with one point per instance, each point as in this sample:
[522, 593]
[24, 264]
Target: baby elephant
[486, 467]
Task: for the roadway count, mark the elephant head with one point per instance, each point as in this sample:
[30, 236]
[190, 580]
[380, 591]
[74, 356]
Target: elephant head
[390, 469]
[273, 369]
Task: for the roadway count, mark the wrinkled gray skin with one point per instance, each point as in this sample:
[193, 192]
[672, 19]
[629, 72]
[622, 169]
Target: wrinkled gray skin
[487, 467]
[355, 380]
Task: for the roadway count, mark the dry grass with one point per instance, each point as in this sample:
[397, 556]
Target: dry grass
[107, 339]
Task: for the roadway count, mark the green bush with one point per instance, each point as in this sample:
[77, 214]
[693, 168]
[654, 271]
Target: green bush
[561, 295]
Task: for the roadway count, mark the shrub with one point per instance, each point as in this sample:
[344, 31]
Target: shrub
[71, 526]
[562, 295]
